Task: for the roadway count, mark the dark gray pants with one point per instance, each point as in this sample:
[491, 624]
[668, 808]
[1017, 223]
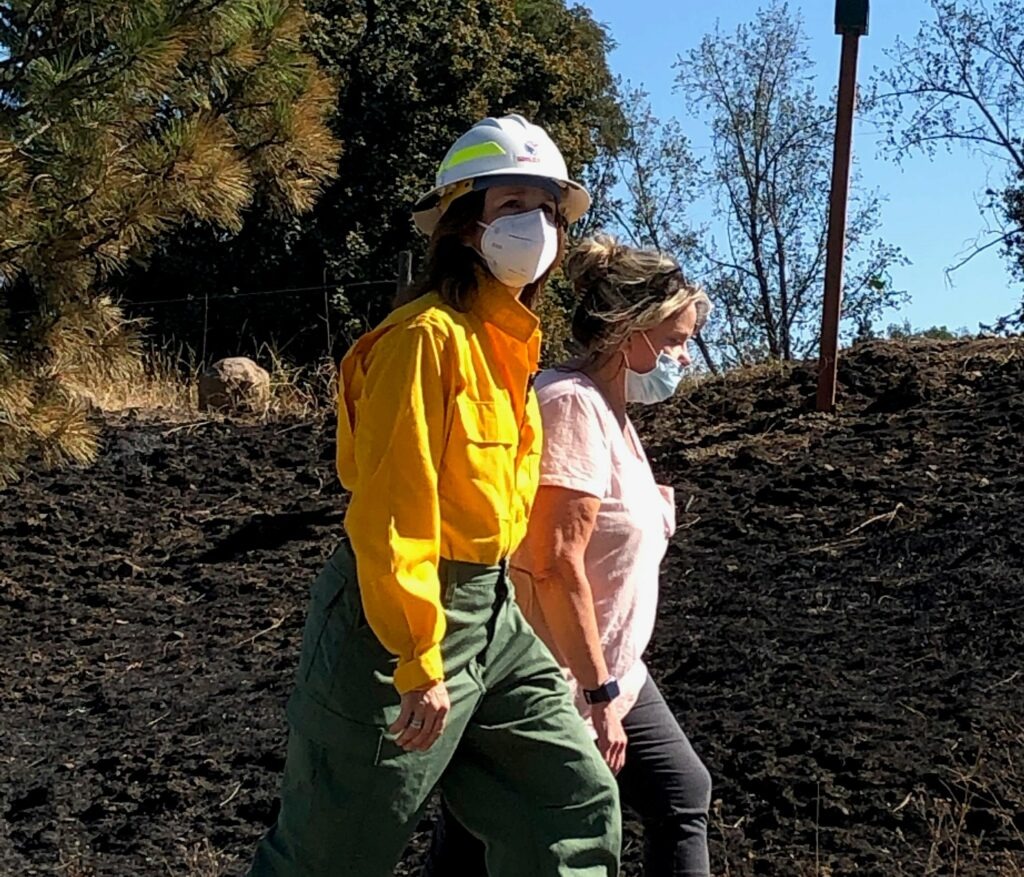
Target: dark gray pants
[664, 782]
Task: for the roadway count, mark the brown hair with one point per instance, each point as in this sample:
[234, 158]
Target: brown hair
[452, 265]
[622, 290]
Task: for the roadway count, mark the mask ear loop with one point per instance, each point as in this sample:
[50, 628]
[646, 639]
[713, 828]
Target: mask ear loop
[656, 353]
[625, 356]
[479, 250]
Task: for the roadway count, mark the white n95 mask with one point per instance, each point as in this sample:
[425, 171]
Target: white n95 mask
[520, 248]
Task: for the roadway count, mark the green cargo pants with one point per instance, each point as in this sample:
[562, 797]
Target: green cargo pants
[515, 761]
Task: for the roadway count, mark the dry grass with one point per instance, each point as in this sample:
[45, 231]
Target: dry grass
[205, 860]
[200, 859]
[955, 847]
[163, 381]
[298, 391]
[74, 859]
[956, 850]
[165, 384]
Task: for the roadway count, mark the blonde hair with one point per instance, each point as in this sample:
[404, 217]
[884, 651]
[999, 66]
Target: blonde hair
[623, 289]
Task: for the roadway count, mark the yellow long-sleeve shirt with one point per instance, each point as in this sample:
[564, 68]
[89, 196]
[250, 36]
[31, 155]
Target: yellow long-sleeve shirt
[439, 443]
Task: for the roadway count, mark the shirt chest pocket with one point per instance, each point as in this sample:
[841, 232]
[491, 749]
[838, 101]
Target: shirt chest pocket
[479, 460]
[485, 423]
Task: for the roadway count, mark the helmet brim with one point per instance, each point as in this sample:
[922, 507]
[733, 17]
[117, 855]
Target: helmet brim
[429, 209]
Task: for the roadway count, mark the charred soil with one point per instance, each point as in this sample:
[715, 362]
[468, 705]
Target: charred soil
[841, 630]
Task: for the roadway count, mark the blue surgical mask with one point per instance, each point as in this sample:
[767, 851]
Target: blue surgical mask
[658, 384]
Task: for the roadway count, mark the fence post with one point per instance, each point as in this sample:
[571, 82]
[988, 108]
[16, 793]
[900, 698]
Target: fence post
[206, 324]
[404, 280]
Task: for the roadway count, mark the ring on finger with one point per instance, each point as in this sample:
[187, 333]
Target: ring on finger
[416, 724]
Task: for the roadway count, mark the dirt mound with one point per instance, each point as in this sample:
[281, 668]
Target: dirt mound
[842, 625]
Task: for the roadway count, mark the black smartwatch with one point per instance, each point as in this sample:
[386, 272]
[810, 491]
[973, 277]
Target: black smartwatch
[603, 693]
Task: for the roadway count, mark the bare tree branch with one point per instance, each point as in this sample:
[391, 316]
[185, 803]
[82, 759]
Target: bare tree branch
[769, 178]
[977, 251]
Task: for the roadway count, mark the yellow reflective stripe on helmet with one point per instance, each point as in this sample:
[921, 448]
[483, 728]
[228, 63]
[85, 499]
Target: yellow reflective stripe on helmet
[477, 150]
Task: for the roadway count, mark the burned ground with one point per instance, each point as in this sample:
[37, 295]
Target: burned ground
[841, 630]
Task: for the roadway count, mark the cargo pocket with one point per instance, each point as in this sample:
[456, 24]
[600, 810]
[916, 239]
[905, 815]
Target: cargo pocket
[344, 670]
[341, 797]
[329, 620]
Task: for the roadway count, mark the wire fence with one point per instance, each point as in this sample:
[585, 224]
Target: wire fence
[205, 322]
[216, 322]
[198, 299]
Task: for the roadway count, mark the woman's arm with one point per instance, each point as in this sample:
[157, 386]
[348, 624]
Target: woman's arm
[566, 519]
[390, 463]
[395, 440]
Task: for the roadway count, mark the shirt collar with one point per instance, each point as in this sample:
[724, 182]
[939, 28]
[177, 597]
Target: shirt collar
[506, 312]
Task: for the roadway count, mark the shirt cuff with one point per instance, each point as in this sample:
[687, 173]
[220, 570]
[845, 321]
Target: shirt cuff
[420, 671]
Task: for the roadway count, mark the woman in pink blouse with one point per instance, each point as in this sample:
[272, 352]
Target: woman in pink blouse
[587, 573]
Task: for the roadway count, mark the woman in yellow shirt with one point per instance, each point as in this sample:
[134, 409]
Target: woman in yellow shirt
[417, 668]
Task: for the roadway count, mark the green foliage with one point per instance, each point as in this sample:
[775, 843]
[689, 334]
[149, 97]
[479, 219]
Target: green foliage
[555, 311]
[119, 121]
[411, 76]
[904, 330]
[1011, 204]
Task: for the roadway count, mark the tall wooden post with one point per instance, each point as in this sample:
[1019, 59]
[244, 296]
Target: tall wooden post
[852, 24]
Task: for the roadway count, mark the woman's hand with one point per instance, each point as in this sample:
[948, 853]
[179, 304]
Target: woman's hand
[611, 736]
[422, 717]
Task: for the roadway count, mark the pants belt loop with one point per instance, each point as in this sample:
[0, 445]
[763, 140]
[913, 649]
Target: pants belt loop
[503, 581]
[451, 580]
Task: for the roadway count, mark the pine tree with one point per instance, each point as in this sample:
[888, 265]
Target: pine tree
[120, 120]
[412, 76]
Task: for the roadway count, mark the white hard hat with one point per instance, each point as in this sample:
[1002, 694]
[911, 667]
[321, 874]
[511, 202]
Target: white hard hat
[495, 149]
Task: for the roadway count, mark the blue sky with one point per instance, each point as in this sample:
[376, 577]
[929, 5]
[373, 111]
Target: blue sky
[931, 212]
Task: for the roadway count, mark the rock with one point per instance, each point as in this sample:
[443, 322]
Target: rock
[234, 384]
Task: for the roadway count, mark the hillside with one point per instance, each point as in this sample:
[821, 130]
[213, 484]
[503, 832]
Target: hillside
[841, 631]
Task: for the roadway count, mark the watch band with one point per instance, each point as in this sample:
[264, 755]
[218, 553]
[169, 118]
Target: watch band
[603, 693]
